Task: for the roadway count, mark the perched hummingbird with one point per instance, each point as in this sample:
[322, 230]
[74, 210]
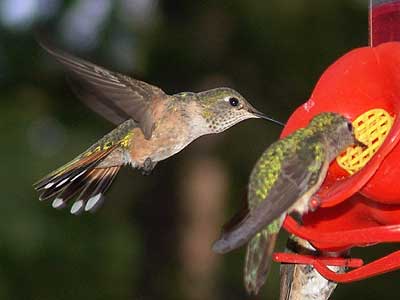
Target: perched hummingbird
[283, 181]
[299, 281]
[153, 126]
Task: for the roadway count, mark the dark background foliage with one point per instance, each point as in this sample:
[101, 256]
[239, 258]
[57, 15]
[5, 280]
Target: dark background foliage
[152, 237]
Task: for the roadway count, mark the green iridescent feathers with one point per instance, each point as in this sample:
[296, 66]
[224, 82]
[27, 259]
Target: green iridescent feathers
[283, 180]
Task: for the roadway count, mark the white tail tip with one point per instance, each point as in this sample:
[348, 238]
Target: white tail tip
[77, 207]
[58, 203]
[92, 202]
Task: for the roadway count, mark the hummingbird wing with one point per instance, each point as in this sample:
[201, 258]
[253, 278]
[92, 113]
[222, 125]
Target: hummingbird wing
[90, 174]
[114, 96]
[298, 174]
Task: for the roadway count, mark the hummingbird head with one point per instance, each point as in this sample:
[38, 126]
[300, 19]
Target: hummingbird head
[337, 130]
[224, 107]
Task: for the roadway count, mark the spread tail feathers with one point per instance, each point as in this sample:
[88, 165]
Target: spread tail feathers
[90, 174]
[85, 175]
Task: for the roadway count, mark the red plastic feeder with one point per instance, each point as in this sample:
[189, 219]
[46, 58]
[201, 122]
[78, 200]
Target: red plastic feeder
[360, 198]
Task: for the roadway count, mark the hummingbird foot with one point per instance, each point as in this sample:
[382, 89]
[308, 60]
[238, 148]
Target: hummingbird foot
[148, 166]
[297, 217]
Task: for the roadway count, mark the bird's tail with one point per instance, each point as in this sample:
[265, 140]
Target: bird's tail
[80, 175]
[258, 260]
[89, 175]
[258, 256]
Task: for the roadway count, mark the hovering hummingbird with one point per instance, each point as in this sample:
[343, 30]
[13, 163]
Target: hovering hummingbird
[282, 182]
[303, 281]
[153, 126]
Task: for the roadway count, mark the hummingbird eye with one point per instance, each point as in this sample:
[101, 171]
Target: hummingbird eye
[350, 126]
[233, 101]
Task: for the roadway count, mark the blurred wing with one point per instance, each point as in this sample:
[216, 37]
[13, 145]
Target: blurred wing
[98, 103]
[299, 173]
[114, 96]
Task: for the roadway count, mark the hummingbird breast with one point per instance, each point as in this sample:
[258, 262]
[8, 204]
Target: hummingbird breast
[173, 131]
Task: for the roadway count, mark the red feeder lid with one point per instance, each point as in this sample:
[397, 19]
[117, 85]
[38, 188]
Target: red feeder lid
[363, 79]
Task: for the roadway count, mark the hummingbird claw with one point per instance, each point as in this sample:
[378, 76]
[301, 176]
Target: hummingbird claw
[148, 166]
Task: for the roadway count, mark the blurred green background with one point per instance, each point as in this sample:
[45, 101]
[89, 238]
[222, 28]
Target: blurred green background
[152, 237]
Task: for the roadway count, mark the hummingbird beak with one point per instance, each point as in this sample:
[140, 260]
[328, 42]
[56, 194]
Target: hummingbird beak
[360, 144]
[260, 115]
